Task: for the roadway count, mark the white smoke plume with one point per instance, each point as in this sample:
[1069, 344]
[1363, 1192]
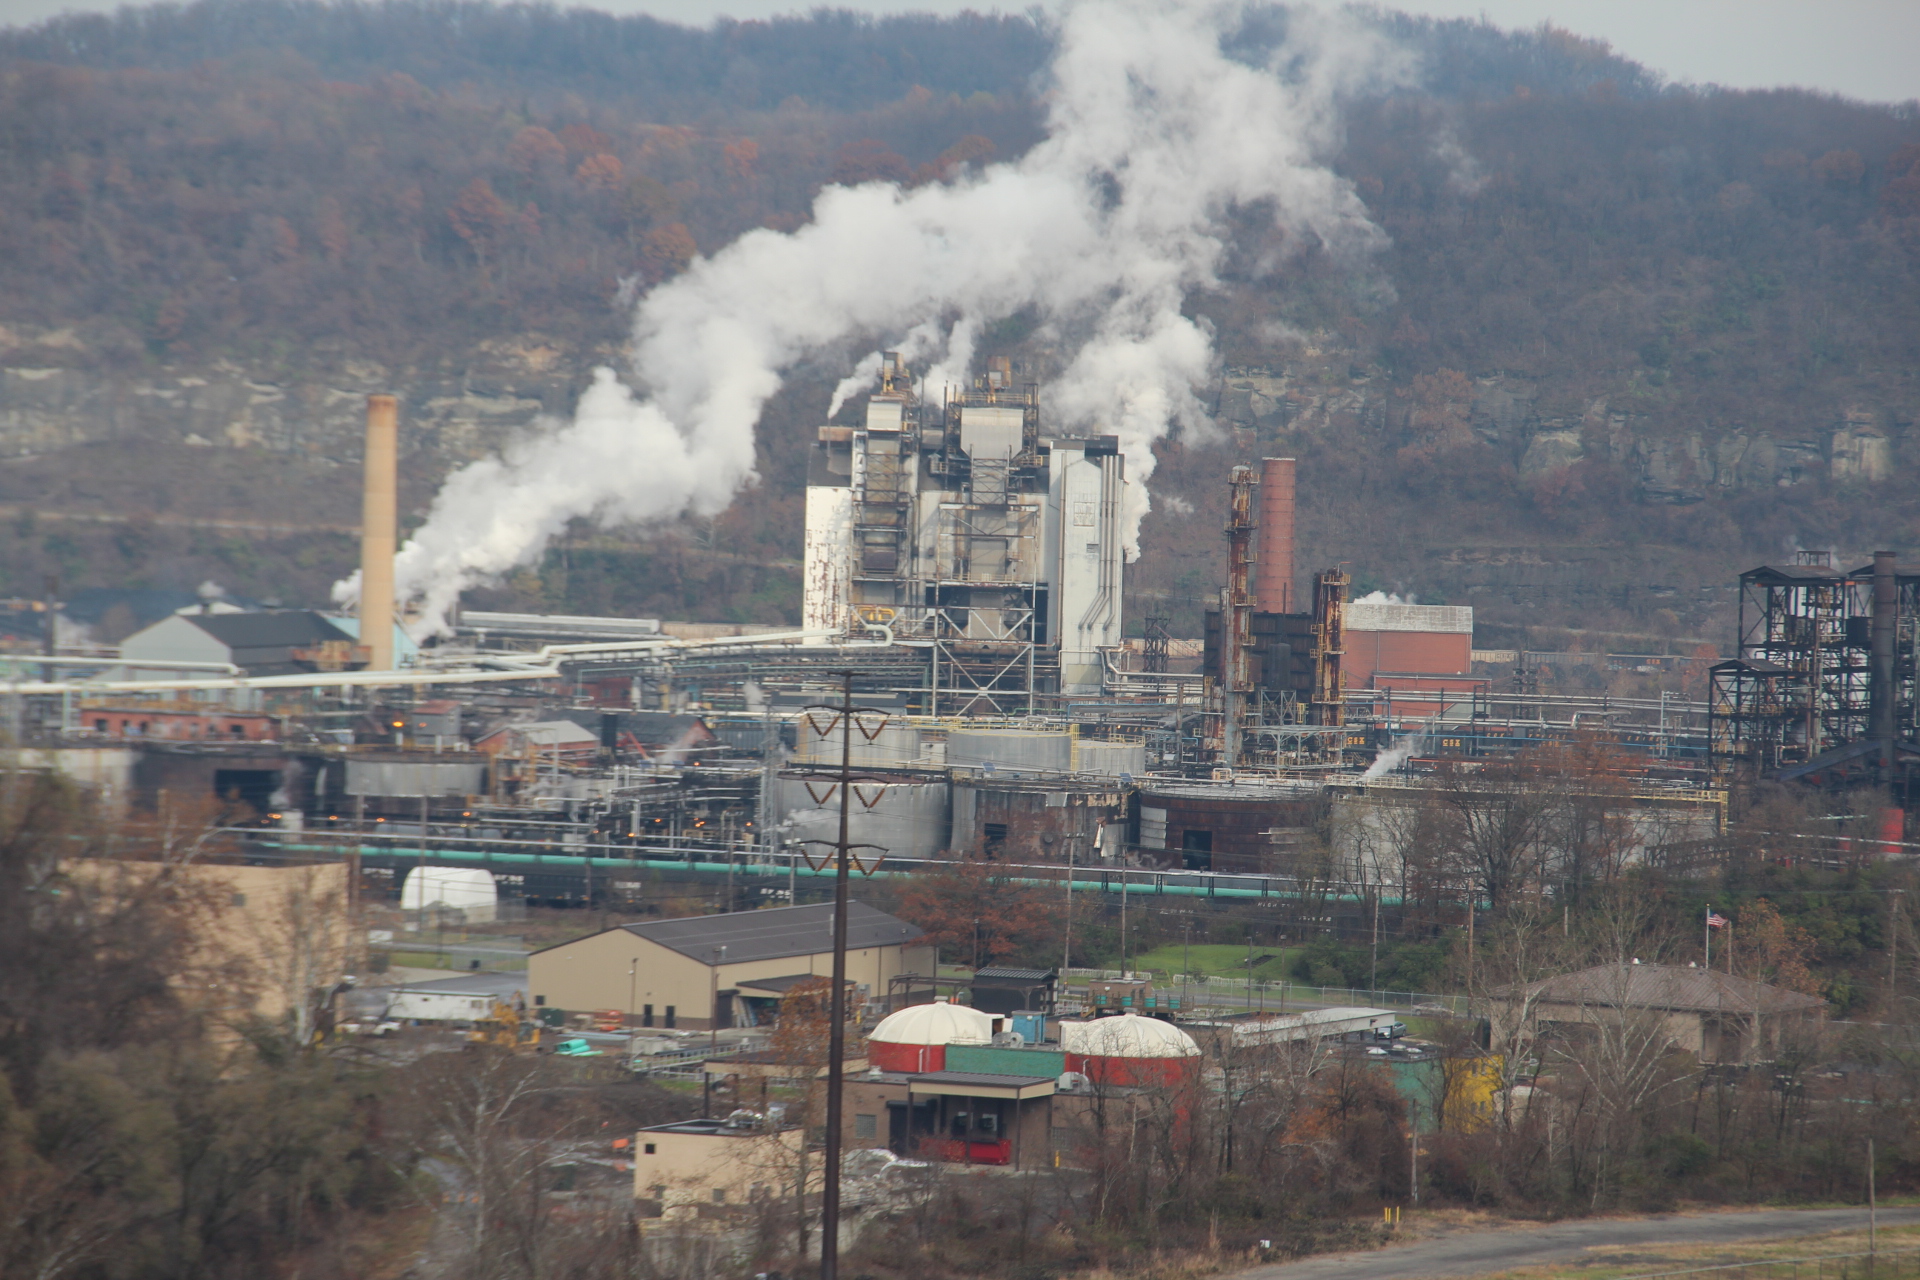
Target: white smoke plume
[1394, 757]
[1383, 597]
[1103, 230]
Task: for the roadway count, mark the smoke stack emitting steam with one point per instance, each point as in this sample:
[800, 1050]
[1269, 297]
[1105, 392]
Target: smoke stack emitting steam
[379, 516]
[1101, 230]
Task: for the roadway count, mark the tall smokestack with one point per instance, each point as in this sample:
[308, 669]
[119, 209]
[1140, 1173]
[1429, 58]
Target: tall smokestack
[1880, 691]
[379, 514]
[1273, 566]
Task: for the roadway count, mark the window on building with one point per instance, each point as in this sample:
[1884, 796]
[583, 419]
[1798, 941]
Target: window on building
[649, 1148]
[646, 1015]
[719, 1195]
[538, 1001]
[670, 1019]
[866, 1126]
[237, 730]
[99, 726]
[239, 900]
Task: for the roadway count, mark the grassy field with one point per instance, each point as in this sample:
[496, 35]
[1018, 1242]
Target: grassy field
[1225, 960]
[1641, 1260]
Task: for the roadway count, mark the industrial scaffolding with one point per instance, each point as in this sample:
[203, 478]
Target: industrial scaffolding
[1826, 661]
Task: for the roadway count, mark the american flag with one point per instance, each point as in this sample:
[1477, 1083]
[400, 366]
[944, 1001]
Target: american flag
[1715, 920]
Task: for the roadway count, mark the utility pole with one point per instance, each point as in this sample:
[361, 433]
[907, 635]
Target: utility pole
[1873, 1209]
[843, 861]
[1893, 936]
[837, 1032]
[1066, 953]
[1373, 972]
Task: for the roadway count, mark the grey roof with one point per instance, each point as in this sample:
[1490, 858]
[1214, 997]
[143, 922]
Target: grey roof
[478, 983]
[263, 643]
[775, 933]
[1665, 986]
[995, 974]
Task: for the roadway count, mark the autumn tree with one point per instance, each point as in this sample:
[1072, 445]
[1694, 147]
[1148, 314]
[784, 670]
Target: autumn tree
[975, 910]
[483, 220]
[666, 251]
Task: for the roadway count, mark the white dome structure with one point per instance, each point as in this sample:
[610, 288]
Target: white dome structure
[465, 889]
[1130, 1050]
[1127, 1036]
[916, 1038]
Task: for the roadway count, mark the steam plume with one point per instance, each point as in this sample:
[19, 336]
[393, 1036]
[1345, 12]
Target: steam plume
[1395, 756]
[1103, 229]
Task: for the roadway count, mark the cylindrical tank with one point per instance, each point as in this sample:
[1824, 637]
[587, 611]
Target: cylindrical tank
[907, 819]
[892, 744]
[1211, 827]
[916, 1038]
[1130, 1050]
[466, 889]
[1014, 750]
[1109, 759]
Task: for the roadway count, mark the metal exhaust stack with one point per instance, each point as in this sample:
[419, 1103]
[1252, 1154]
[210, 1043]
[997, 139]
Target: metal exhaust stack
[379, 516]
[1273, 567]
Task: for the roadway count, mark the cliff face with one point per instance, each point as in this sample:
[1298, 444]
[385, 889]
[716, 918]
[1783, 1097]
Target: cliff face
[1854, 445]
[57, 393]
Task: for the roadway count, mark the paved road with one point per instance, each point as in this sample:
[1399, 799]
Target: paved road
[1479, 1253]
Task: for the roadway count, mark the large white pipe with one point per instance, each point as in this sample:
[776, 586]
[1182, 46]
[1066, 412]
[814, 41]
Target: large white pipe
[540, 666]
[152, 664]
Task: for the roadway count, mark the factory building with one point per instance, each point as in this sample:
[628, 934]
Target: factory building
[731, 970]
[964, 530]
[1406, 650]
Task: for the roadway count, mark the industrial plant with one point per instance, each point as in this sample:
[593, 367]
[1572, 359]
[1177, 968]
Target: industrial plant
[963, 562]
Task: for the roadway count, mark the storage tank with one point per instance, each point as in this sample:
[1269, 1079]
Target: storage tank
[907, 819]
[1016, 750]
[892, 744]
[1130, 1050]
[1202, 826]
[468, 890]
[916, 1038]
[1109, 759]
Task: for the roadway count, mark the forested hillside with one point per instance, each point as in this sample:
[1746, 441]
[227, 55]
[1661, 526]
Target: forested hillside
[1624, 340]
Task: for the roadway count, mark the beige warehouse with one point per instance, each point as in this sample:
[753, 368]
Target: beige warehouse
[726, 970]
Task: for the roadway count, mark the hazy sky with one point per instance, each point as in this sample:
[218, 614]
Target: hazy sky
[1861, 48]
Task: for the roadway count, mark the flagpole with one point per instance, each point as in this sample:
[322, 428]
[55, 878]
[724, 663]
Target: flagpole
[1706, 930]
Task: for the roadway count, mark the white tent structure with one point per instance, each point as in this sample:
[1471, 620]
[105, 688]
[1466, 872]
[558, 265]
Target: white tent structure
[468, 890]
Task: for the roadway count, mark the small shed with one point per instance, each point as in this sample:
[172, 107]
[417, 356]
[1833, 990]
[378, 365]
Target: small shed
[1004, 991]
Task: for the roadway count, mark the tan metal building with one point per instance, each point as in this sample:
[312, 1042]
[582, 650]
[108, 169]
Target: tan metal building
[1718, 1017]
[726, 970]
[697, 1162]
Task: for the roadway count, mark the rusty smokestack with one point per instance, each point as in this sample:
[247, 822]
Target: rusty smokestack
[1273, 566]
[379, 516]
[1881, 694]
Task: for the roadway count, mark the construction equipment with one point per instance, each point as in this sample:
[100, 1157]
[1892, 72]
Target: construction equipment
[505, 1028]
[609, 1020]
